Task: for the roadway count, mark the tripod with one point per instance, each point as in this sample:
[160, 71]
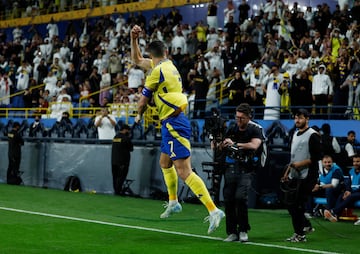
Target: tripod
[213, 170]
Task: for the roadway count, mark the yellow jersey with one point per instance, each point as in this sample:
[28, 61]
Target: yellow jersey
[165, 82]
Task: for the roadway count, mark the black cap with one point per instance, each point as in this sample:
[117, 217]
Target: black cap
[302, 111]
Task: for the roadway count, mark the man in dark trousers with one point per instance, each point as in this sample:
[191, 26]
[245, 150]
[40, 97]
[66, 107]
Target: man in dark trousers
[242, 143]
[120, 158]
[303, 172]
[14, 154]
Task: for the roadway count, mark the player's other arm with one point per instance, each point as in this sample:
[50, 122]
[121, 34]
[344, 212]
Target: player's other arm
[136, 55]
[141, 107]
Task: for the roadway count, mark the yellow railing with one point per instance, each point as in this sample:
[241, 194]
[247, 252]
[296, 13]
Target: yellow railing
[101, 90]
[20, 112]
[123, 111]
[151, 117]
[21, 92]
[85, 112]
[59, 107]
[127, 110]
[221, 92]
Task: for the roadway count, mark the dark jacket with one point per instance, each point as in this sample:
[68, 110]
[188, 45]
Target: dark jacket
[15, 143]
[121, 148]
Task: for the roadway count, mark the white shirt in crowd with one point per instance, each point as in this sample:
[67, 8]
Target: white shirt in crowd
[5, 85]
[50, 84]
[322, 84]
[272, 101]
[23, 77]
[135, 78]
[106, 130]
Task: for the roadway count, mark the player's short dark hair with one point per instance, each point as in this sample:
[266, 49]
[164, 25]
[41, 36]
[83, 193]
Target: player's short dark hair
[156, 48]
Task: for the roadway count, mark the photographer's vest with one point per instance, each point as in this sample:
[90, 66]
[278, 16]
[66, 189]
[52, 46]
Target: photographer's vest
[299, 152]
[355, 180]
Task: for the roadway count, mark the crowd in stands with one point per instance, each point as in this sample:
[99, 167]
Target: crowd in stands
[285, 57]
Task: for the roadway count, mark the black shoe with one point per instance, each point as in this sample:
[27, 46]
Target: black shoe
[295, 238]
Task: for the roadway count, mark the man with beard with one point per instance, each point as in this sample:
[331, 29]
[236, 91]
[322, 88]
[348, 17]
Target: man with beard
[302, 173]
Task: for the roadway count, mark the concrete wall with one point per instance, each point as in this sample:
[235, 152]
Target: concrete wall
[48, 164]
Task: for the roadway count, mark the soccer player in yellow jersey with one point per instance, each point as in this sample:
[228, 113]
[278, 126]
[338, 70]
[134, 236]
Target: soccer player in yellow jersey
[163, 84]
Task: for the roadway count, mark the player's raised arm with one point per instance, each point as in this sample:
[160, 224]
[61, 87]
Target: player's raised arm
[136, 55]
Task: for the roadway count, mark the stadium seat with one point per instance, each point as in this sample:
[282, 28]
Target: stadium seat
[137, 132]
[80, 129]
[92, 130]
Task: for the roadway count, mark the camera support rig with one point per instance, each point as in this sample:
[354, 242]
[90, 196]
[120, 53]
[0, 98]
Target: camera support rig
[214, 174]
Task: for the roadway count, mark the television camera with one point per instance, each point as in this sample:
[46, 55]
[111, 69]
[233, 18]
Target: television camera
[215, 126]
[241, 155]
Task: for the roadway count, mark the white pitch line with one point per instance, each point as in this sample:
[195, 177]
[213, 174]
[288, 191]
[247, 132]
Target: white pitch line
[158, 230]
[290, 248]
[109, 223]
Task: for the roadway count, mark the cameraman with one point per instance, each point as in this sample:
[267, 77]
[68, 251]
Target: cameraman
[241, 144]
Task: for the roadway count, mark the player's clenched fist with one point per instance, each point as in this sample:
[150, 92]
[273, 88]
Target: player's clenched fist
[135, 31]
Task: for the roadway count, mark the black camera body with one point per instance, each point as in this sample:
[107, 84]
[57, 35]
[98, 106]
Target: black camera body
[215, 127]
[239, 154]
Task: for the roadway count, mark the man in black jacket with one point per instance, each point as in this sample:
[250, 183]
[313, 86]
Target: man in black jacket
[14, 154]
[120, 158]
